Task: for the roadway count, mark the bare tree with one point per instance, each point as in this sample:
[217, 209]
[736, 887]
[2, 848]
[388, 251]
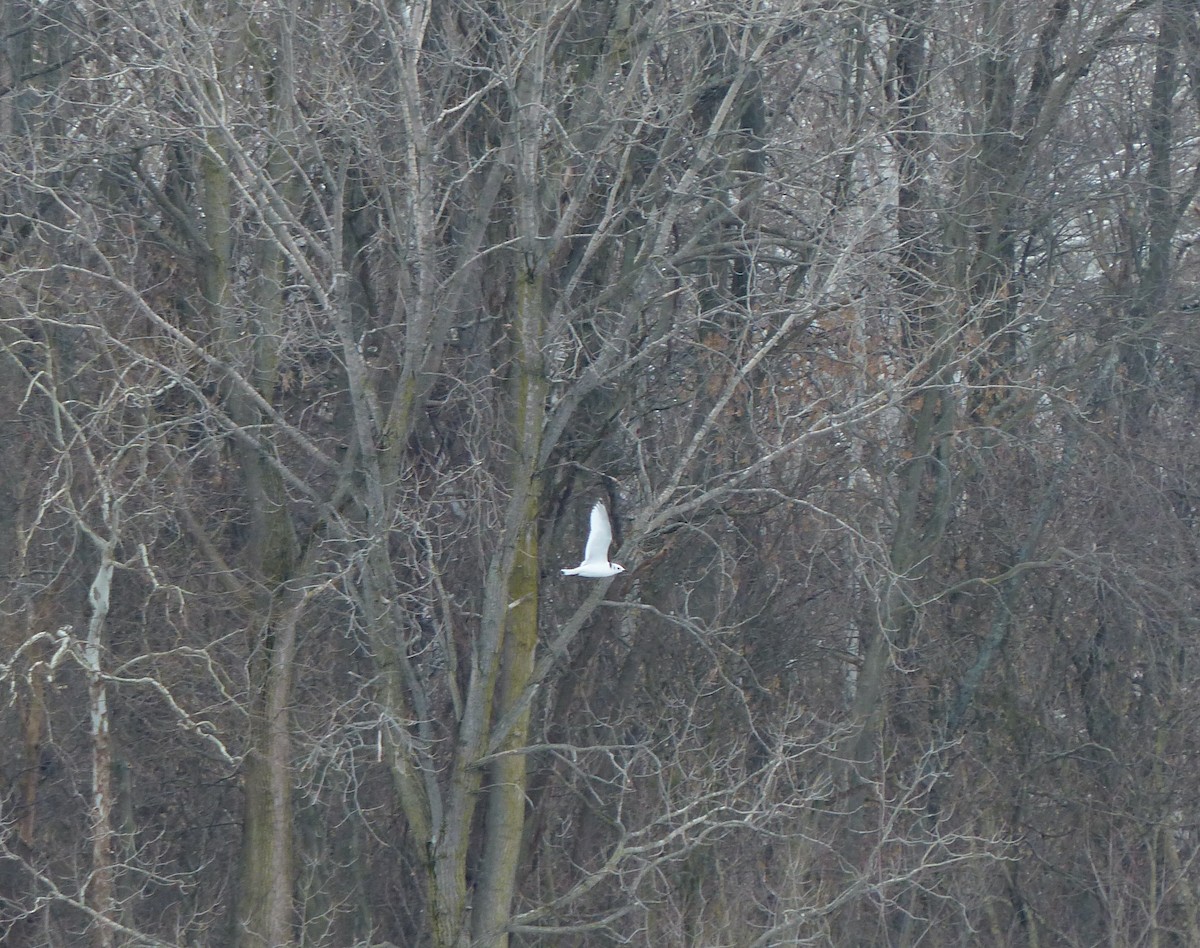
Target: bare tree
[324, 325]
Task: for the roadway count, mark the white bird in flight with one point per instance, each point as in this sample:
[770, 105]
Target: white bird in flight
[595, 563]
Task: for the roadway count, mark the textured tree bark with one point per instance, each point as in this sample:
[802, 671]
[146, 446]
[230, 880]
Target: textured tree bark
[506, 799]
[264, 903]
[265, 911]
[507, 773]
[32, 727]
[265, 900]
[102, 883]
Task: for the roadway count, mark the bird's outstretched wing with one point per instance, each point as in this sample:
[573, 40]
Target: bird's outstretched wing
[599, 536]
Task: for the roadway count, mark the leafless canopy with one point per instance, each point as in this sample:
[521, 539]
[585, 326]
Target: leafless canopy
[324, 325]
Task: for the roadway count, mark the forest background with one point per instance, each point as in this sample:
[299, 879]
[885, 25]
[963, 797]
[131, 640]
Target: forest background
[324, 323]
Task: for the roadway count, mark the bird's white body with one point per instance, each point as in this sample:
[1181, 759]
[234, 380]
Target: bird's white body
[595, 563]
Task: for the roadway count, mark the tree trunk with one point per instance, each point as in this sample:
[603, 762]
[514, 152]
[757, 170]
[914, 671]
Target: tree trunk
[505, 818]
[264, 903]
[102, 883]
